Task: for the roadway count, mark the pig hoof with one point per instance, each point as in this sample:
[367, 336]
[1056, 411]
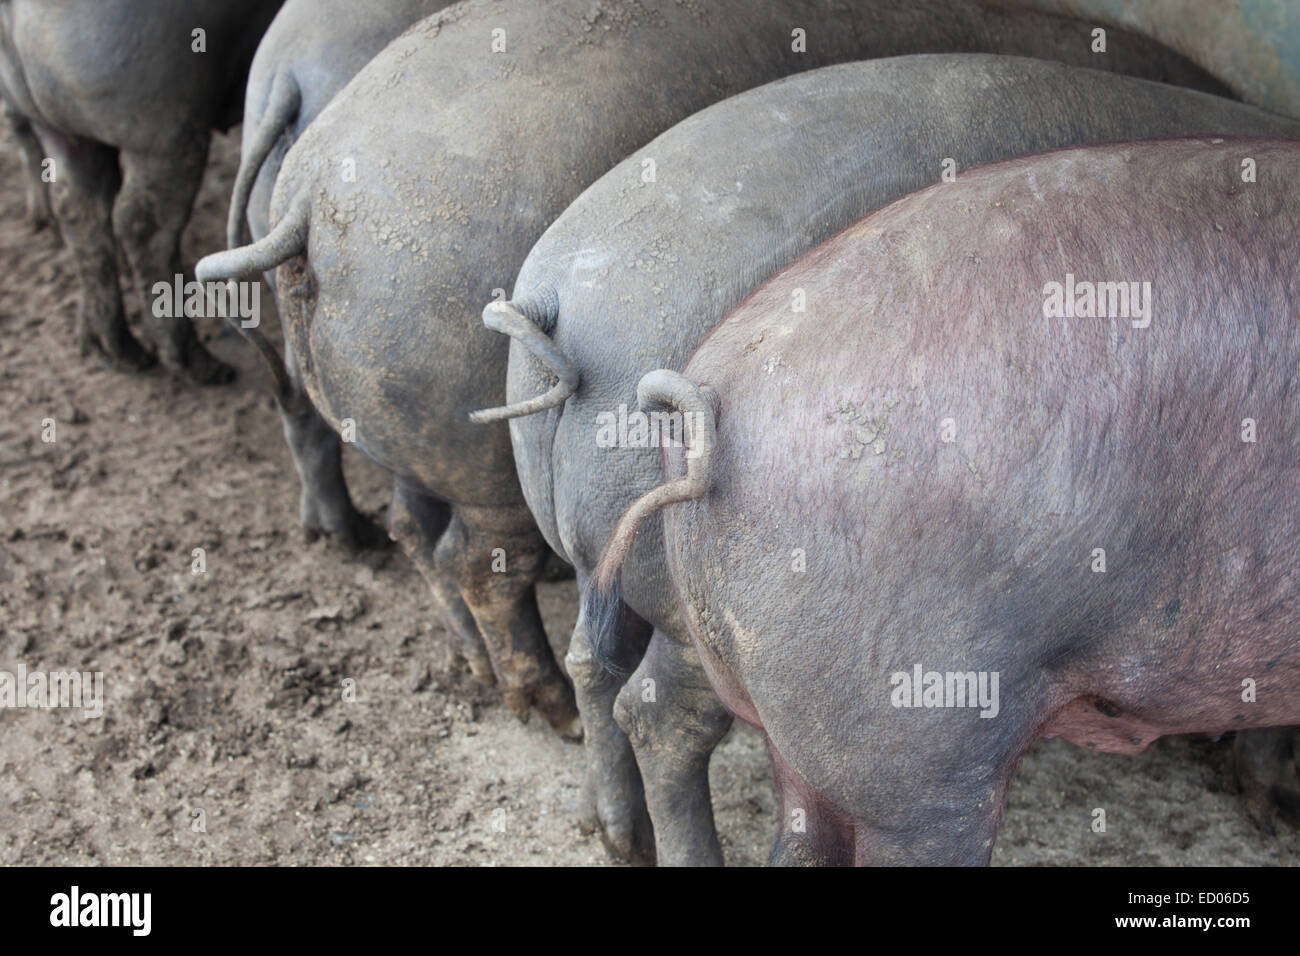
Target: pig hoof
[362, 534]
[625, 848]
[203, 368]
[478, 666]
[520, 703]
[355, 534]
[615, 809]
[133, 358]
[572, 731]
[481, 667]
[556, 703]
[1264, 768]
[1269, 804]
[122, 352]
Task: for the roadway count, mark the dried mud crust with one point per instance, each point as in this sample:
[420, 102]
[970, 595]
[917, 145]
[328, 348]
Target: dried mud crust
[224, 691]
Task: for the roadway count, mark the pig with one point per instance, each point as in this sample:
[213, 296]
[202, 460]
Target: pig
[420, 189]
[634, 274]
[1253, 46]
[309, 53]
[1023, 466]
[122, 97]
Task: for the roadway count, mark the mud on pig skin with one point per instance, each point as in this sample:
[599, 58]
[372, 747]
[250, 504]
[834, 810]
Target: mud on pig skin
[935, 315]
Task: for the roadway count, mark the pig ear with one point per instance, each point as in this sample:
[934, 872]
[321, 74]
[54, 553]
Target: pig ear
[509, 318]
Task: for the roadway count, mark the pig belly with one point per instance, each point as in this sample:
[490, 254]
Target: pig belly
[1100, 725]
[1108, 727]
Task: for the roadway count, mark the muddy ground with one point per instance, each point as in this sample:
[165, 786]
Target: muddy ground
[223, 689]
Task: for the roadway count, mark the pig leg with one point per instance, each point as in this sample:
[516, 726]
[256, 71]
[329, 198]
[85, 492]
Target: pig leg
[674, 720]
[613, 798]
[494, 557]
[86, 177]
[933, 840]
[937, 801]
[416, 521]
[324, 505]
[157, 195]
[1265, 765]
[812, 832]
[39, 213]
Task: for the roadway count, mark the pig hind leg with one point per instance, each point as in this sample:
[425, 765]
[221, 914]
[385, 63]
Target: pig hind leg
[324, 505]
[86, 178]
[811, 831]
[1265, 765]
[674, 720]
[493, 557]
[416, 521]
[613, 797]
[942, 807]
[39, 212]
[152, 209]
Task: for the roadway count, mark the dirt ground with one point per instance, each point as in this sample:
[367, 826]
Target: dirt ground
[223, 689]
